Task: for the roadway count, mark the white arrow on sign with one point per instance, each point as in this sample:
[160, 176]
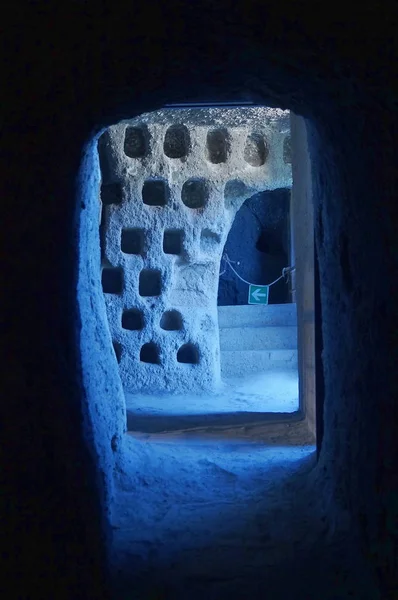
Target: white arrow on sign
[257, 295]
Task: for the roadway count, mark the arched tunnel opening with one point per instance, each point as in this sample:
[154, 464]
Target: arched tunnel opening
[215, 226]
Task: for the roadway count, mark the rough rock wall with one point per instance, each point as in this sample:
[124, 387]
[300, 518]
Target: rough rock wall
[303, 278]
[337, 69]
[170, 190]
[359, 319]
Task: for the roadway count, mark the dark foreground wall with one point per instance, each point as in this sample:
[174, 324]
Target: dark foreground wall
[67, 74]
[259, 241]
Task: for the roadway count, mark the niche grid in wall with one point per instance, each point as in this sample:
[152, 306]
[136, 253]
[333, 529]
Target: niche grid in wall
[170, 189]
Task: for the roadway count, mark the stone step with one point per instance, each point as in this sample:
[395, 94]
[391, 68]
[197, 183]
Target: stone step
[258, 338]
[272, 315]
[240, 363]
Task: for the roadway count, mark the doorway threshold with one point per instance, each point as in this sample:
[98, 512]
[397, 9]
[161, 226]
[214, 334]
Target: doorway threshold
[265, 398]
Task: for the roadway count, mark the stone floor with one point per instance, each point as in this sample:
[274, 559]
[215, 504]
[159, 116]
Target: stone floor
[228, 513]
[226, 520]
[273, 391]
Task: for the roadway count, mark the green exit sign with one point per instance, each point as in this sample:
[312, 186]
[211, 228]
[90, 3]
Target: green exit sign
[258, 294]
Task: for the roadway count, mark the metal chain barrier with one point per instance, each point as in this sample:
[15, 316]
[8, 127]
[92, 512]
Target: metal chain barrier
[285, 273]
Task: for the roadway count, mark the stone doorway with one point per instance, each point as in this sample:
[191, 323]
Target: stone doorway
[172, 183]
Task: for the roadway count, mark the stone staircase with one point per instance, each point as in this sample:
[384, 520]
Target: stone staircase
[255, 338]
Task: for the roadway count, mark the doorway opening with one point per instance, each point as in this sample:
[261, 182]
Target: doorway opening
[168, 215]
[197, 267]
[257, 317]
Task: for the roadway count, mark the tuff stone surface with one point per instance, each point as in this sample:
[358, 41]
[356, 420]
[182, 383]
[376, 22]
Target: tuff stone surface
[172, 182]
[60, 445]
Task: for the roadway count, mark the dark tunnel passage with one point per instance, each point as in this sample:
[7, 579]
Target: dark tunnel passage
[308, 528]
